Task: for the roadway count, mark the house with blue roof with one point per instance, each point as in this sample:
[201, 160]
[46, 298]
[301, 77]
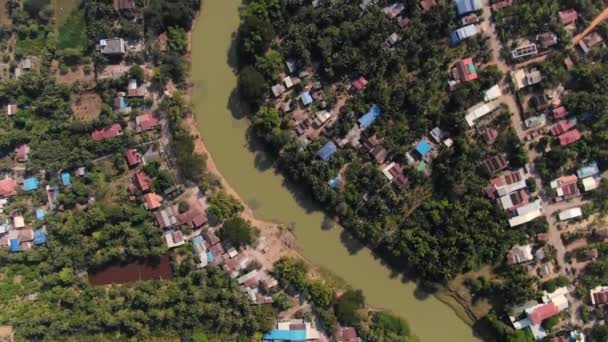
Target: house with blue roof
[327, 151]
[467, 6]
[370, 117]
[589, 170]
[306, 98]
[40, 214]
[335, 182]
[40, 237]
[31, 184]
[65, 178]
[423, 148]
[15, 245]
[464, 33]
[285, 335]
[210, 256]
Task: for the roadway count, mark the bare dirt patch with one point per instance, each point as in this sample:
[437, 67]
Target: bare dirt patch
[5, 19]
[86, 81]
[86, 106]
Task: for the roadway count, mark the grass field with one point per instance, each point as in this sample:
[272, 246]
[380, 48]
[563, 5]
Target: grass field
[30, 46]
[73, 32]
[63, 9]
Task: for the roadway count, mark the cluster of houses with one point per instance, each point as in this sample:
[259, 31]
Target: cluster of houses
[466, 10]
[532, 314]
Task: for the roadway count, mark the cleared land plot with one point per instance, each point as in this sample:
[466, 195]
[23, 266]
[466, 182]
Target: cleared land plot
[86, 81]
[73, 33]
[5, 19]
[63, 9]
[86, 106]
[30, 46]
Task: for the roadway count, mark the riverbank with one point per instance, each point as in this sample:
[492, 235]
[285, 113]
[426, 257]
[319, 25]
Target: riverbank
[247, 169]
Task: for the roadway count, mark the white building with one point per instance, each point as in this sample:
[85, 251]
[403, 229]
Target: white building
[571, 213]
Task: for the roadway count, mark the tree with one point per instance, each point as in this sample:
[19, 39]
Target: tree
[347, 307]
[252, 86]
[386, 327]
[267, 118]
[255, 35]
[238, 232]
[270, 65]
[136, 72]
[178, 40]
[223, 206]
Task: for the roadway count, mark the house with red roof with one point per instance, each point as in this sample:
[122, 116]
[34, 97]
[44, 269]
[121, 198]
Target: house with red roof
[562, 127]
[464, 70]
[8, 187]
[347, 334]
[120, 5]
[566, 186]
[560, 112]
[133, 157]
[142, 181]
[146, 122]
[569, 137]
[543, 312]
[495, 163]
[599, 295]
[426, 5]
[360, 83]
[152, 201]
[107, 132]
[568, 16]
[22, 153]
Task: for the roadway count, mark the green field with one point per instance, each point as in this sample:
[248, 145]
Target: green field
[30, 46]
[73, 32]
[63, 10]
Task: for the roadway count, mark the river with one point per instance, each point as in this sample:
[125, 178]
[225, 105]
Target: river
[249, 170]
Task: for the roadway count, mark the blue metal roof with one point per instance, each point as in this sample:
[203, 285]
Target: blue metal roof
[39, 237]
[327, 151]
[286, 335]
[467, 6]
[40, 214]
[335, 182]
[306, 98]
[197, 239]
[463, 33]
[15, 245]
[591, 169]
[370, 117]
[210, 256]
[65, 178]
[31, 184]
[423, 148]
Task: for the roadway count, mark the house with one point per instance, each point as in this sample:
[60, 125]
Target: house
[66, 179]
[277, 90]
[464, 70]
[569, 137]
[167, 217]
[112, 46]
[571, 213]
[562, 127]
[107, 132]
[526, 77]
[152, 201]
[360, 83]
[506, 184]
[321, 118]
[426, 5]
[589, 41]
[565, 186]
[391, 40]
[293, 330]
[490, 135]
[394, 10]
[536, 121]
[526, 213]
[495, 163]
[568, 16]
[423, 148]
[545, 269]
[599, 295]
[590, 183]
[40, 237]
[293, 65]
[137, 92]
[514, 200]
[142, 181]
[478, 111]
[306, 98]
[22, 153]
[194, 217]
[133, 157]
[377, 151]
[524, 51]
[40, 214]
[146, 122]
[403, 22]
[560, 112]
[535, 313]
[174, 238]
[370, 117]
[546, 39]
[463, 33]
[492, 93]
[201, 250]
[11, 109]
[469, 19]
[519, 254]
[8, 187]
[588, 170]
[467, 6]
[121, 5]
[394, 173]
[438, 135]
[30, 184]
[327, 151]
[347, 334]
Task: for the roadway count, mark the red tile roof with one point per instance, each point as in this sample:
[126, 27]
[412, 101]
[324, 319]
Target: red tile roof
[22, 152]
[568, 16]
[147, 121]
[137, 92]
[495, 163]
[142, 181]
[360, 83]
[543, 312]
[194, 217]
[562, 127]
[107, 132]
[133, 157]
[601, 297]
[466, 69]
[560, 113]
[123, 4]
[569, 137]
[347, 334]
[153, 200]
[8, 187]
[426, 5]
[489, 135]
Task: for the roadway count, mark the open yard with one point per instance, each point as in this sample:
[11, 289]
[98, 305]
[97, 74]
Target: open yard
[5, 20]
[73, 32]
[86, 81]
[86, 106]
[63, 9]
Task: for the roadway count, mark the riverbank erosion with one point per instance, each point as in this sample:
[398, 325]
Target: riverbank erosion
[248, 169]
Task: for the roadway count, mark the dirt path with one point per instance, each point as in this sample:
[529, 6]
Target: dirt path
[598, 20]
